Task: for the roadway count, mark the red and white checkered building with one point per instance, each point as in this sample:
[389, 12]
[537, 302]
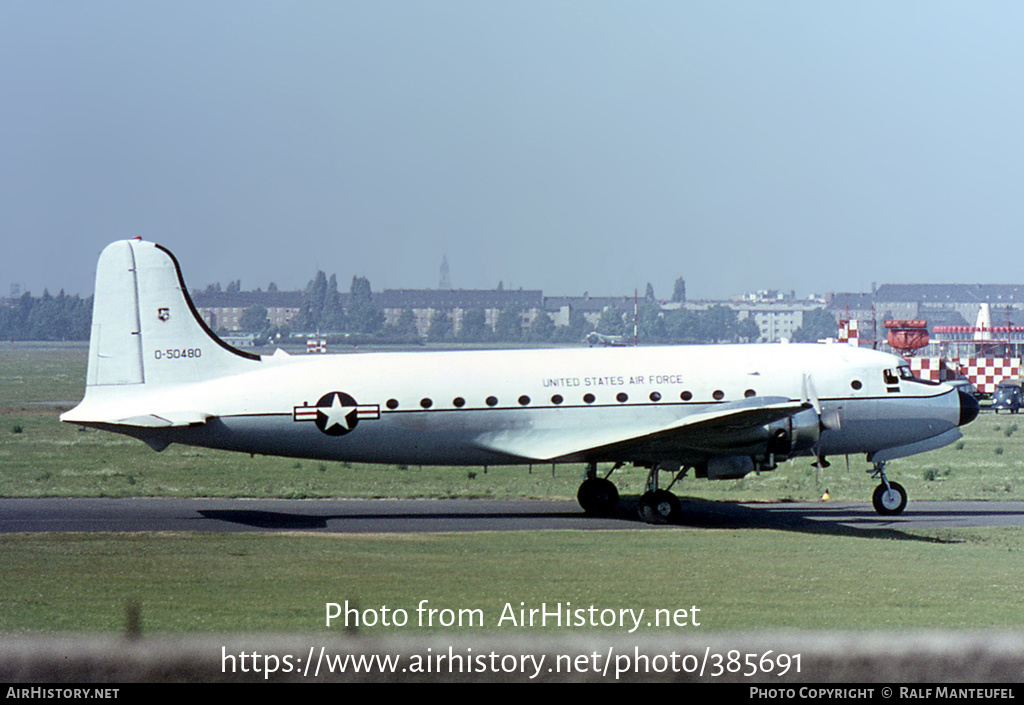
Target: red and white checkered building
[983, 372]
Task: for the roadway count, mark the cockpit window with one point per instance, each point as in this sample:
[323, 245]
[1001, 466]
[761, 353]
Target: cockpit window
[903, 372]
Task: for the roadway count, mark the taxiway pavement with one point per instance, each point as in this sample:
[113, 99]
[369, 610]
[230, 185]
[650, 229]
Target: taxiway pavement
[382, 516]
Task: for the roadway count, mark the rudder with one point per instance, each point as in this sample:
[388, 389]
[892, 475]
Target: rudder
[115, 353]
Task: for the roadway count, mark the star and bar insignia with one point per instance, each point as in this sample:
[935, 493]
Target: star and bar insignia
[336, 413]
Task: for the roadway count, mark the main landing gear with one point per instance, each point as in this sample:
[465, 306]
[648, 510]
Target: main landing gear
[659, 506]
[889, 497]
[598, 495]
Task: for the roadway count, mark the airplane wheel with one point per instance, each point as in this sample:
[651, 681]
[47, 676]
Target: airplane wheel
[660, 507]
[598, 496]
[889, 502]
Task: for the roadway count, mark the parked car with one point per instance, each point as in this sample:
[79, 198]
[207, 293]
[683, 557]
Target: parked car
[1009, 396]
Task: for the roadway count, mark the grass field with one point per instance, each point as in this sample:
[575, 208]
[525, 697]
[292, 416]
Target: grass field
[740, 578]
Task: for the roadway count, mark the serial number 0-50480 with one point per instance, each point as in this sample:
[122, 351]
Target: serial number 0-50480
[177, 354]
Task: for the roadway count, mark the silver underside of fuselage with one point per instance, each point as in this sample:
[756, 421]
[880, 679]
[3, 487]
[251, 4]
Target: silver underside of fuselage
[452, 437]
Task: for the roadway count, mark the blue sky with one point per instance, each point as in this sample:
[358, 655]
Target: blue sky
[568, 146]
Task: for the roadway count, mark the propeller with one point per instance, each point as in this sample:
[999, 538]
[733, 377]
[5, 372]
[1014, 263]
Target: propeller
[827, 420]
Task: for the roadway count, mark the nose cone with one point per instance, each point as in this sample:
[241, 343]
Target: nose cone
[968, 408]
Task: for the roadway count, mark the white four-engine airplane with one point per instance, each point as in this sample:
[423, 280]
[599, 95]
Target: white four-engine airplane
[156, 372]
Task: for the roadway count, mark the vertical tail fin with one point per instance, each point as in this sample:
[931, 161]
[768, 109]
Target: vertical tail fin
[145, 327]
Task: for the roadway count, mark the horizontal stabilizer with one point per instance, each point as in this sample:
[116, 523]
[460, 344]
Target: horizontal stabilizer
[173, 419]
[697, 430]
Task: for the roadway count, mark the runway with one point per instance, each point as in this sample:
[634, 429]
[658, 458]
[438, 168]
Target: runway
[394, 516]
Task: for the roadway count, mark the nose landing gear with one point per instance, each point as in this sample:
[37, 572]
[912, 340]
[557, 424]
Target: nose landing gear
[889, 498]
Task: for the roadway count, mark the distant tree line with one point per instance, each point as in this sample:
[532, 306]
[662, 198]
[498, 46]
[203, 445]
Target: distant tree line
[322, 308]
[654, 326]
[323, 311]
[47, 317]
[64, 317]
[818, 324]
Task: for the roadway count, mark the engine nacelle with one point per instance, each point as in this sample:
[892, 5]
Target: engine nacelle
[728, 467]
[765, 446]
[795, 435]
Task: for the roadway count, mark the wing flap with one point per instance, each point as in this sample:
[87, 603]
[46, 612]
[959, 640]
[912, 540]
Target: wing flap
[714, 428]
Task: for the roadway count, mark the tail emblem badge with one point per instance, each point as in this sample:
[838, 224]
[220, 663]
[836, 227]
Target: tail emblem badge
[336, 413]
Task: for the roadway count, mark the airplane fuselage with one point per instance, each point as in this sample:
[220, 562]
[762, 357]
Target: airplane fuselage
[442, 407]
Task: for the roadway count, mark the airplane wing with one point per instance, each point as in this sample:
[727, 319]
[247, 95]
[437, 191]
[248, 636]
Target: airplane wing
[724, 427]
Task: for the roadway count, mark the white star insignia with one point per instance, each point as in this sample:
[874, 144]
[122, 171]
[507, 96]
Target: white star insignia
[337, 414]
